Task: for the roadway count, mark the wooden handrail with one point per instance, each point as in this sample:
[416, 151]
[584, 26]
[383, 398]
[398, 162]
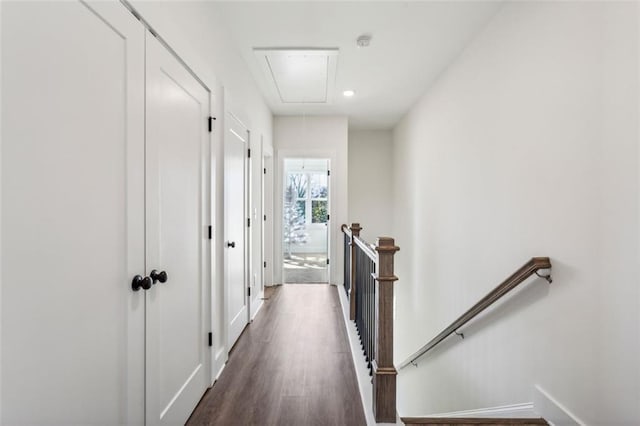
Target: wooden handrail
[367, 248]
[528, 269]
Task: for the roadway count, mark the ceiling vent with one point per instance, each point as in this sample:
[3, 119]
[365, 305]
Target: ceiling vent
[300, 75]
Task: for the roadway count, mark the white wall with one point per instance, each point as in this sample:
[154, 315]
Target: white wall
[314, 137]
[200, 37]
[526, 146]
[370, 182]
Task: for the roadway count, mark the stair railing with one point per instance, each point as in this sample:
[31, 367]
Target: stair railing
[369, 279]
[528, 269]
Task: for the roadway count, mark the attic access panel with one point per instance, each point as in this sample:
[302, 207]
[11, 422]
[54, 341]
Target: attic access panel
[300, 75]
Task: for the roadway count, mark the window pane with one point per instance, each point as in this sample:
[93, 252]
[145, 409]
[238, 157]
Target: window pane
[319, 187]
[319, 211]
[298, 184]
[301, 208]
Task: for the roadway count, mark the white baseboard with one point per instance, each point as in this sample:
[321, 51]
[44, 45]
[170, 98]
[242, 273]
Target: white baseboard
[543, 405]
[220, 371]
[260, 304]
[362, 373]
[553, 411]
[218, 363]
[523, 410]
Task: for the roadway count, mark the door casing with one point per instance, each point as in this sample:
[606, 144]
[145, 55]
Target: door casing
[278, 245]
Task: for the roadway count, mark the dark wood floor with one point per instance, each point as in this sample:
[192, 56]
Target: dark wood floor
[291, 366]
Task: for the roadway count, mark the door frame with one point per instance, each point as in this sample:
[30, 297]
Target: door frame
[281, 155]
[247, 230]
[268, 213]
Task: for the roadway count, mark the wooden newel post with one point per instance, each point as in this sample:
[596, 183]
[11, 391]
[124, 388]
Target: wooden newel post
[355, 232]
[384, 372]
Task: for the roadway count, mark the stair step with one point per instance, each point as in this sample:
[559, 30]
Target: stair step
[461, 421]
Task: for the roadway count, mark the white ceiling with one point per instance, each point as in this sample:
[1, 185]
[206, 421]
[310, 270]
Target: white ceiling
[412, 43]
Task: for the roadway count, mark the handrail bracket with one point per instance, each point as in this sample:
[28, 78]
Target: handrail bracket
[546, 277]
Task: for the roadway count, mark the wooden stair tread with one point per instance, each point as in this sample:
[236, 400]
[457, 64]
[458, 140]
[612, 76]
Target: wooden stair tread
[461, 421]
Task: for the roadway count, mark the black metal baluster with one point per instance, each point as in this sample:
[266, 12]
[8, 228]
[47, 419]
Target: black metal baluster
[373, 309]
[347, 264]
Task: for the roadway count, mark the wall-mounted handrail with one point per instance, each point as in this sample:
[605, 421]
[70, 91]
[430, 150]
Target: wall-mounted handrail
[528, 269]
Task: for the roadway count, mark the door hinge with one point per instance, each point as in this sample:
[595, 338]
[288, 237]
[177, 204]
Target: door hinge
[210, 339]
[265, 171]
[328, 216]
[328, 172]
[210, 232]
[264, 264]
[248, 222]
[327, 261]
[265, 217]
[249, 291]
[210, 120]
[249, 153]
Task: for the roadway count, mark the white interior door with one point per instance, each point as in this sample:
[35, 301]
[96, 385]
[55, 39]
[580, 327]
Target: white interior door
[72, 214]
[176, 152]
[236, 142]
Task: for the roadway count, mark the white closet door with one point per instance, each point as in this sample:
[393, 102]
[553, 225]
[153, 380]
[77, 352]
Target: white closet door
[236, 142]
[176, 150]
[72, 214]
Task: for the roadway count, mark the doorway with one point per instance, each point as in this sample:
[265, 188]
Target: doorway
[305, 221]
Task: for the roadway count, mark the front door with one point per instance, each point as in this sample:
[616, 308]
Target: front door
[176, 149]
[236, 141]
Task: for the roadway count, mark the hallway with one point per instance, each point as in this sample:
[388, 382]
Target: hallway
[291, 366]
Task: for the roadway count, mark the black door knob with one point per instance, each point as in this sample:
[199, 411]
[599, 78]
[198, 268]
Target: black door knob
[232, 244]
[158, 276]
[140, 282]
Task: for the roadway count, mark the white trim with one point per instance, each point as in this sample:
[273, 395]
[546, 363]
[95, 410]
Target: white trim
[359, 365]
[219, 361]
[332, 248]
[1, 222]
[543, 405]
[552, 410]
[220, 372]
[520, 410]
[260, 304]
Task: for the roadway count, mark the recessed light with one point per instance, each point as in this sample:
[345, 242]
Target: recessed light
[348, 93]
